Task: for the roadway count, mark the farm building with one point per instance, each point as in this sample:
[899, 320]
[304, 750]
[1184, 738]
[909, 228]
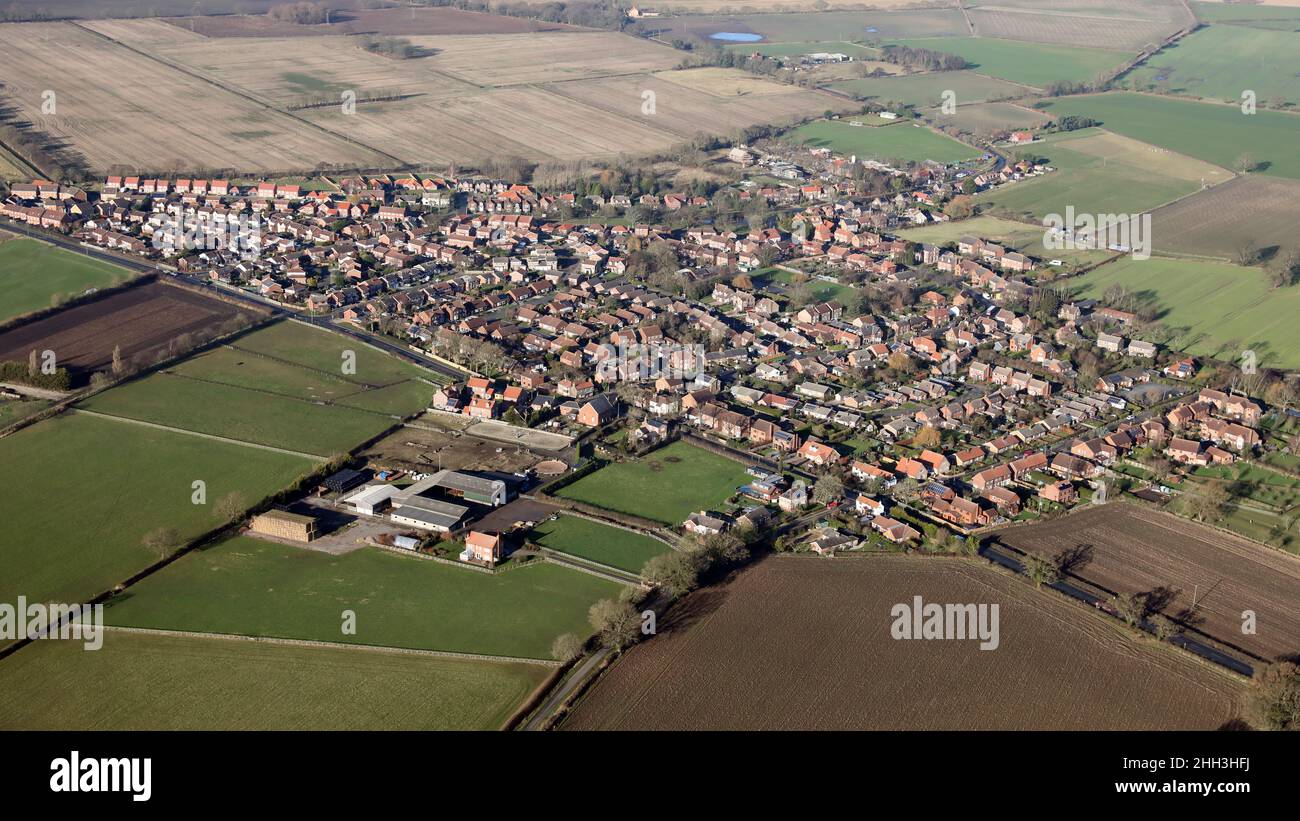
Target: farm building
[372, 499]
[428, 514]
[344, 480]
[466, 486]
[285, 525]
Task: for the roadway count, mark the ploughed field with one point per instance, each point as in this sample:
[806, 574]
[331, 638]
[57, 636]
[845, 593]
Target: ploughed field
[799, 643]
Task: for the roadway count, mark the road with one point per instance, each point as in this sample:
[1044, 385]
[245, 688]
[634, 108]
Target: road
[147, 267]
[562, 692]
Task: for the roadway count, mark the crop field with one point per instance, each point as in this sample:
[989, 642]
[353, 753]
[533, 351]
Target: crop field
[1130, 549]
[988, 118]
[150, 682]
[1136, 26]
[401, 22]
[1032, 64]
[901, 141]
[89, 489]
[667, 485]
[1103, 173]
[252, 587]
[739, 658]
[1024, 237]
[859, 53]
[1218, 134]
[1272, 16]
[283, 386]
[597, 542]
[1218, 62]
[142, 320]
[824, 27]
[116, 106]
[33, 274]
[927, 90]
[1214, 308]
[1262, 212]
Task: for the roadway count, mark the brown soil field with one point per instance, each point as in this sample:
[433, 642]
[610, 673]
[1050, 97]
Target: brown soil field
[119, 107]
[805, 644]
[424, 451]
[143, 320]
[1263, 211]
[395, 21]
[1126, 548]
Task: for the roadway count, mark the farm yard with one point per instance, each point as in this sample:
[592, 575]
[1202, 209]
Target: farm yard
[597, 542]
[1130, 549]
[666, 485]
[252, 587]
[901, 141]
[143, 320]
[150, 682]
[1249, 211]
[1213, 308]
[283, 386]
[740, 657]
[429, 447]
[128, 480]
[34, 275]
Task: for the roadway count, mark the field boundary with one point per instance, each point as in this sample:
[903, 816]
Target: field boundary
[212, 436]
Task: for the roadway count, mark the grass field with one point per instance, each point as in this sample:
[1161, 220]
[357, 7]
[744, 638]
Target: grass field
[79, 493]
[282, 386]
[252, 587]
[823, 27]
[33, 273]
[1219, 62]
[820, 290]
[599, 543]
[1218, 134]
[902, 141]
[145, 682]
[1286, 18]
[987, 118]
[667, 485]
[927, 90]
[1103, 173]
[1211, 306]
[1110, 24]
[1032, 64]
[1024, 237]
[11, 410]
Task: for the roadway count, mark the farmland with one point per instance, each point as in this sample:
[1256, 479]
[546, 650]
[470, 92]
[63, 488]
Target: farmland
[1251, 210]
[149, 682]
[251, 587]
[739, 658]
[142, 320]
[1276, 16]
[667, 485]
[823, 27]
[33, 275]
[1131, 549]
[1213, 308]
[1106, 24]
[283, 386]
[927, 90]
[1032, 64]
[1218, 62]
[128, 481]
[988, 118]
[389, 21]
[1024, 237]
[903, 141]
[597, 542]
[1218, 134]
[1102, 173]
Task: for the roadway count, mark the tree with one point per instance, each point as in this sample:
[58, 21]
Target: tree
[673, 572]
[118, 367]
[1165, 627]
[1273, 702]
[566, 647]
[618, 623]
[231, 506]
[1207, 502]
[1244, 164]
[1040, 571]
[828, 488]
[927, 437]
[162, 542]
[1131, 608]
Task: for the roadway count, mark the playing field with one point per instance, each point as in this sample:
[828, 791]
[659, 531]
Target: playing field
[1032, 64]
[902, 142]
[247, 586]
[33, 274]
[667, 485]
[79, 493]
[1212, 306]
[928, 90]
[599, 543]
[819, 289]
[1219, 134]
[146, 682]
[1221, 62]
[1103, 173]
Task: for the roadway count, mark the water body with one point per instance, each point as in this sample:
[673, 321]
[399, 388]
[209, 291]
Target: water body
[736, 36]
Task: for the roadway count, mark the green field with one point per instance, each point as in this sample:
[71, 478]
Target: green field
[144, 682]
[1239, 14]
[820, 290]
[667, 485]
[1101, 173]
[1219, 62]
[987, 118]
[927, 90]
[78, 493]
[258, 588]
[1211, 304]
[826, 26]
[282, 386]
[32, 273]
[1033, 64]
[1024, 237]
[799, 49]
[11, 410]
[1218, 134]
[597, 542]
[901, 142]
